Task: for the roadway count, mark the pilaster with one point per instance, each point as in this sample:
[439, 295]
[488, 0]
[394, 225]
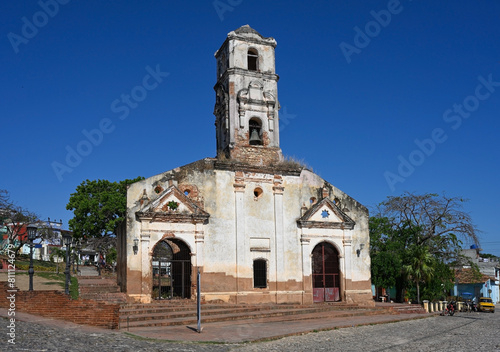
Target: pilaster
[347, 269]
[278, 190]
[145, 263]
[199, 240]
[239, 216]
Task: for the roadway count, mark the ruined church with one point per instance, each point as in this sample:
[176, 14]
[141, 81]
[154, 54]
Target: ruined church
[258, 228]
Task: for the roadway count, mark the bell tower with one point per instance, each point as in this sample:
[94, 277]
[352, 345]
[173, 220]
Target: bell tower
[246, 107]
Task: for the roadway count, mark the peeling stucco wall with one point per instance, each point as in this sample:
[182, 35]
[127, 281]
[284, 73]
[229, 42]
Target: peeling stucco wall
[252, 216]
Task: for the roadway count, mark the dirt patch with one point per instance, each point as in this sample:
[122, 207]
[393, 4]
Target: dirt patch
[39, 283]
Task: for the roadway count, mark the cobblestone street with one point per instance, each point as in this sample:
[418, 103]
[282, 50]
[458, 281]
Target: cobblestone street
[462, 332]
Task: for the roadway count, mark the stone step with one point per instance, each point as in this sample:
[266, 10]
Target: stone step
[176, 305]
[131, 309]
[271, 315]
[106, 297]
[213, 312]
[211, 309]
[90, 281]
[99, 289]
[135, 315]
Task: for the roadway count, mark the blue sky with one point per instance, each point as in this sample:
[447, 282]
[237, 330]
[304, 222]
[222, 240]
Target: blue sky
[379, 97]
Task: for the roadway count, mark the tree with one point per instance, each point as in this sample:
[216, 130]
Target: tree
[441, 282]
[385, 253]
[389, 250]
[413, 237]
[59, 253]
[15, 219]
[98, 208]
[439, 222]
[488, 256]
[420, 267]
[112, 255]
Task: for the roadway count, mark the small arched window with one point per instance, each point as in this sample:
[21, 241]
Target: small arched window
[259, 273]
[253, 60]
[255, 131]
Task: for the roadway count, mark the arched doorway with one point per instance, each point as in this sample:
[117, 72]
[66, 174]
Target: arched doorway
[171, 270]
[325, 273]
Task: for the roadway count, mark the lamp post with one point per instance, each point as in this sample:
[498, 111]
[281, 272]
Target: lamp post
[67, 242]
[73, 257]
[78, 249]
[31, 237]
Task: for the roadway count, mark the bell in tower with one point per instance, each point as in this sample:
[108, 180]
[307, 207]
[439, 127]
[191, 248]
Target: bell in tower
[246, 108]
[254, 128]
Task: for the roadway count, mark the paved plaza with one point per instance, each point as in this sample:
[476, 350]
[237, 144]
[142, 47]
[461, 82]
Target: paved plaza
[462, 332]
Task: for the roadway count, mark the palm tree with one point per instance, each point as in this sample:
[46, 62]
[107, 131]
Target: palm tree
[420, 267]
[59, 253]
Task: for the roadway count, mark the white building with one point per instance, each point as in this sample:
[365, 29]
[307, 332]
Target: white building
[258, 228]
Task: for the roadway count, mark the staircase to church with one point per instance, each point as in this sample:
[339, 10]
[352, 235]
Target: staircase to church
[171, 313]
[100, 288]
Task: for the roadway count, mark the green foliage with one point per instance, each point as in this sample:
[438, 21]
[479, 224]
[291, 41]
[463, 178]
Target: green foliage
[35, 267]
[487, 255]
[385, 253]
[420, 267]
[111, 255]
[386, 268]
[73, 288]
[420, 264]
[22, 263]
[57, 252]
[98, 207]
[440, 283]
[172, 205]
[414, 238]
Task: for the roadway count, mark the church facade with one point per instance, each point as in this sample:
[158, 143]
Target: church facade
[258, 228]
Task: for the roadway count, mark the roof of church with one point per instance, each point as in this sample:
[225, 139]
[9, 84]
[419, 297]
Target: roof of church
[249, 33]
[246, 29]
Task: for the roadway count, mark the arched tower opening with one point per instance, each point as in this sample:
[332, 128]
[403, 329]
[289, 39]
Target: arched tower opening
[252, 60]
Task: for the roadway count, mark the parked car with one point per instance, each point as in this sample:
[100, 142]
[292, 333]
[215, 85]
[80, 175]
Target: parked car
[486, 305]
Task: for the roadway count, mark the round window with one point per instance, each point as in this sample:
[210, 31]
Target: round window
[257, 192]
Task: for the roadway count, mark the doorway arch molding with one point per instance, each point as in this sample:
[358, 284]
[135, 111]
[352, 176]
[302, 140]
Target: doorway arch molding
[171, 269]
[326, 272]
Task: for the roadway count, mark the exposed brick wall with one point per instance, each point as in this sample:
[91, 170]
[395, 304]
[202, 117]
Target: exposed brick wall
[55, 304]
[256, 155]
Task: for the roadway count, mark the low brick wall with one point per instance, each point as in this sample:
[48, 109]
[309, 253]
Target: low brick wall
[57, 305]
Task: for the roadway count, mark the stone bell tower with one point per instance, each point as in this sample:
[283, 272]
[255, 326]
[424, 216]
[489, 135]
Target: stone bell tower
[246, 107]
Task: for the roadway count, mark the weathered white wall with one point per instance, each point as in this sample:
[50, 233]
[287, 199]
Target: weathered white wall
[243, 227]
